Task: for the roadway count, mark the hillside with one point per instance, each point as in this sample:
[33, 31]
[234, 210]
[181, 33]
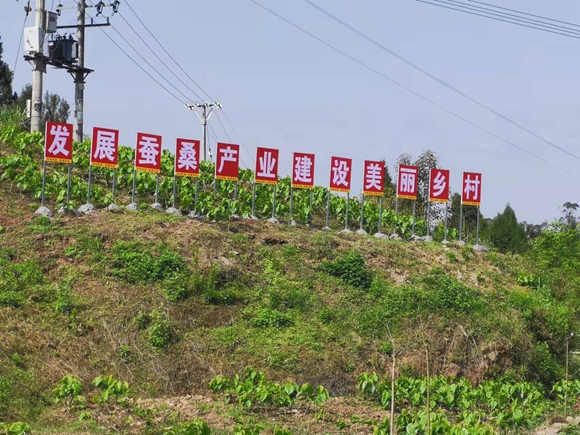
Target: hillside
[169, 304]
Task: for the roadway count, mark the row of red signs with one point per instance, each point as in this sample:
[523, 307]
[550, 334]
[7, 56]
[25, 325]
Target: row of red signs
[105, 153]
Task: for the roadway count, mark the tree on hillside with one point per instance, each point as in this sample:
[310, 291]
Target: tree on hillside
[6, 93]
[54, 108]
[506, 233]
[569, 214]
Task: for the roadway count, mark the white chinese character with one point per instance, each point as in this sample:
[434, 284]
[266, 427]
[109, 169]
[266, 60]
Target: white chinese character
[267, 163]
[339, 173]
[471, 186]
[373, 177]
[187, 156]
[149, 150]
[303, 169]
[408, 177]
[60, 134]
[439, 184]
[105, 148]
[228, 156]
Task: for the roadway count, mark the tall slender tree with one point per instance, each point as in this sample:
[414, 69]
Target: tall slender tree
[6, 93]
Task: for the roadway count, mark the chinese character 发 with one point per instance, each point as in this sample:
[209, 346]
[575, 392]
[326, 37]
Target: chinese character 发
[60, 135]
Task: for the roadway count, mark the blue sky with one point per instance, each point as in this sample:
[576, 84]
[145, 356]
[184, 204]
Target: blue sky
[280, 88]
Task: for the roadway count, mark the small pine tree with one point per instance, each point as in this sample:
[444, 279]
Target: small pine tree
[507, 234]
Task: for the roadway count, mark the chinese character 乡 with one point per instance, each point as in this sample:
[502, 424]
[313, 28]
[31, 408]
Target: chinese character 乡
[471, 186]
[228, 155]
[408, 177]
[148, 150]
[187, 157]
[439, 184]
[340, 172]
[303, 169]
[60, 134]
[105, 148]
[373, 177]
[267, 163]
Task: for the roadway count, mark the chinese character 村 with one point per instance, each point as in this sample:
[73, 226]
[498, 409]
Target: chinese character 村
[267, 163]
[187, 158]
[439, 184]
[105, 148]
[228, 155]
[471, 186]
[408, 177]
[303, 169]
[148, 150]
[373, 177]
[60, 134]
[340, 172]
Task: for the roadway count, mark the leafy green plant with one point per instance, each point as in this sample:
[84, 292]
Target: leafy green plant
[195, 427]
[110, 388]
[17, 428]
[252, 389]
[268, 318]
[67, 390]
[161, 333]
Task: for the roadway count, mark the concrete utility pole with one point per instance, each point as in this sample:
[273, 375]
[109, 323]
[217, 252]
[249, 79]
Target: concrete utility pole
[204, 118]
[39, 67]
[79, 76]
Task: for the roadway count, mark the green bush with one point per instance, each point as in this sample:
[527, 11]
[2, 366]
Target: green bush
[195, 427]
[135, 264]
[161, 333]
[352, 269]
[448, 293]
[268, 318]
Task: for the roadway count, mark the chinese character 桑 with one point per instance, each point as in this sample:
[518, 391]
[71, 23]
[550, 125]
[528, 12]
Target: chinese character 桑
[187, 156]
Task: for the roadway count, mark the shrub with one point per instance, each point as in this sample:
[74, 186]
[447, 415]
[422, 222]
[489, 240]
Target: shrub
[352, 269]
[160, 332]
[195, 427]
[110, 387]
[268, 318]
[67, 389]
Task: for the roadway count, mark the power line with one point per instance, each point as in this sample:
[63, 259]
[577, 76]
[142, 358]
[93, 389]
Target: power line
[525, 13]
[446, 6]
[235, 132]
[166, 52]
[515, 17]
[182, 69]
[158, 58]
[403, 86]
[19, 45]
[437, 79]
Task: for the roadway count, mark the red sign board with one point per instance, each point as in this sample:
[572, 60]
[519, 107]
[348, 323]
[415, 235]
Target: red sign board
[227, 162]
[439, 185]
[471, 191]
[303, 171]
[340, 174]
[105, 148]
[187, 158]
[148, 153]
[58, 143]
[374, 178]
[266, 166]
[407, 182]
